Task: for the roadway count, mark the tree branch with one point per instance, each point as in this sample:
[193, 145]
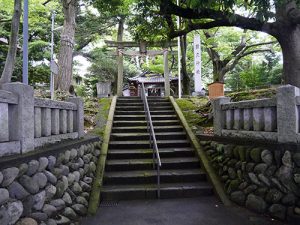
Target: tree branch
[259, 44]
[219, 19]
[230, 66]
[46, 2]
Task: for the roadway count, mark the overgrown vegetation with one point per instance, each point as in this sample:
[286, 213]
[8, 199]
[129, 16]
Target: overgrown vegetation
[95, 114]
[198, 110]
[252, 94]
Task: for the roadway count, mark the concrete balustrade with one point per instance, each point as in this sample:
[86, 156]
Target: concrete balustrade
[275, 119]
[27, 122]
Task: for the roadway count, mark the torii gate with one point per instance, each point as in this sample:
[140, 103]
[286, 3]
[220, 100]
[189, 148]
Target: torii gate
[120, 45]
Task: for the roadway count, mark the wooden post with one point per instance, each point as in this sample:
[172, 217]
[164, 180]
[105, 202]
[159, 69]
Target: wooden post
[166, 74]
[120, 74]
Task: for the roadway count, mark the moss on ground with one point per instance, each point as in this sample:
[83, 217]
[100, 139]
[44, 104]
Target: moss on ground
[198, 110]
[102, 115]
[195, 111]
[252, 94]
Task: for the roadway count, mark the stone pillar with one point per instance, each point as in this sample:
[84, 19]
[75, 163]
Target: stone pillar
[258, 119]
[229, 117]
[46, 122]
[270, 119]
[37, 122]
[287, 116]
[63, 121]
[219, 114]
[70, 121]
[166, 74]
[55, 121]
[248, 119]
[4, 130]
[79, 116]
[237, 119]
[21, 128]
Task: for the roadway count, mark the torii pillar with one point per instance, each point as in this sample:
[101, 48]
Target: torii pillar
[120, 73]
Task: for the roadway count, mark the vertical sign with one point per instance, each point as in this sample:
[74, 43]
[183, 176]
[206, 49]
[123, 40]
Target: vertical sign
[25, 43]
[197, 64]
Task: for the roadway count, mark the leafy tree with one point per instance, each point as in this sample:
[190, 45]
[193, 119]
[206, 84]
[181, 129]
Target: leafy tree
[39, 39]
[266, 71]
[103, 69]
[279, 18]
[227, 47]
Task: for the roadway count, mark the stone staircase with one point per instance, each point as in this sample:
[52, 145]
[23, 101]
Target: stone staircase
[129, 170]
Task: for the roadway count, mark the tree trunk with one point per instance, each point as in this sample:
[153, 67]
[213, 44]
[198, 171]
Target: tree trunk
[65, 61]
[13, 44]
[119, 76]
[185, 76]
[289, 40]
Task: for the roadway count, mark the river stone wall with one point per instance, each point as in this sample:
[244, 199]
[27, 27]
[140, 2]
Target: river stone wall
[49, 190]
[260, 179]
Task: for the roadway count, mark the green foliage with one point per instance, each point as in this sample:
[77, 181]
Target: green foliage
[264, 73]
[104, 68]
[39, 38]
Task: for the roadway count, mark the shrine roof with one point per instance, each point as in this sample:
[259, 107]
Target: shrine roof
[148, 77]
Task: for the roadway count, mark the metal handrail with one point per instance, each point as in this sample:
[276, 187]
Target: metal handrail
[152, 138]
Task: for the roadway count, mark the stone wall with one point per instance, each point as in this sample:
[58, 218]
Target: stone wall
[49, 190]
[272, 119]
[28, 123]
[264, 180]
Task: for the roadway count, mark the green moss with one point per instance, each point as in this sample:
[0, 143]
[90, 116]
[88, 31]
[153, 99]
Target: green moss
[102, 115]
[252, 94]
[192, 109]
[255, 154]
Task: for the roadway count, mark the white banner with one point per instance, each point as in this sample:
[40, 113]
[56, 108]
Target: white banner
[197, 63]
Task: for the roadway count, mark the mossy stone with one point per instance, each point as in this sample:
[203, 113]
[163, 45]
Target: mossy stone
[255, 155]
[233, 186]
[236, 152]
[220, 148]
[228, 150]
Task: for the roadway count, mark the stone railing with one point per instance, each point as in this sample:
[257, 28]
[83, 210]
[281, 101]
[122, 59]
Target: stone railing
[27, 122]
[274, 119]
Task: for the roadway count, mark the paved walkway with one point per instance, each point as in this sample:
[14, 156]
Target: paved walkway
[197, 211]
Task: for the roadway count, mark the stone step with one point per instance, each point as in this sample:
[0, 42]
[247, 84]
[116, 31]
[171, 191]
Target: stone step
[150, 176]
[141, 108]
[129, 117]
[147, 164]
[157, 129]
[142, 117]
[145, 136]
[149, 191]
[166, 112]
[145, 144]
[148, 153]
[140, 100]
[124, 123]
[150, 103]
[160, 108]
